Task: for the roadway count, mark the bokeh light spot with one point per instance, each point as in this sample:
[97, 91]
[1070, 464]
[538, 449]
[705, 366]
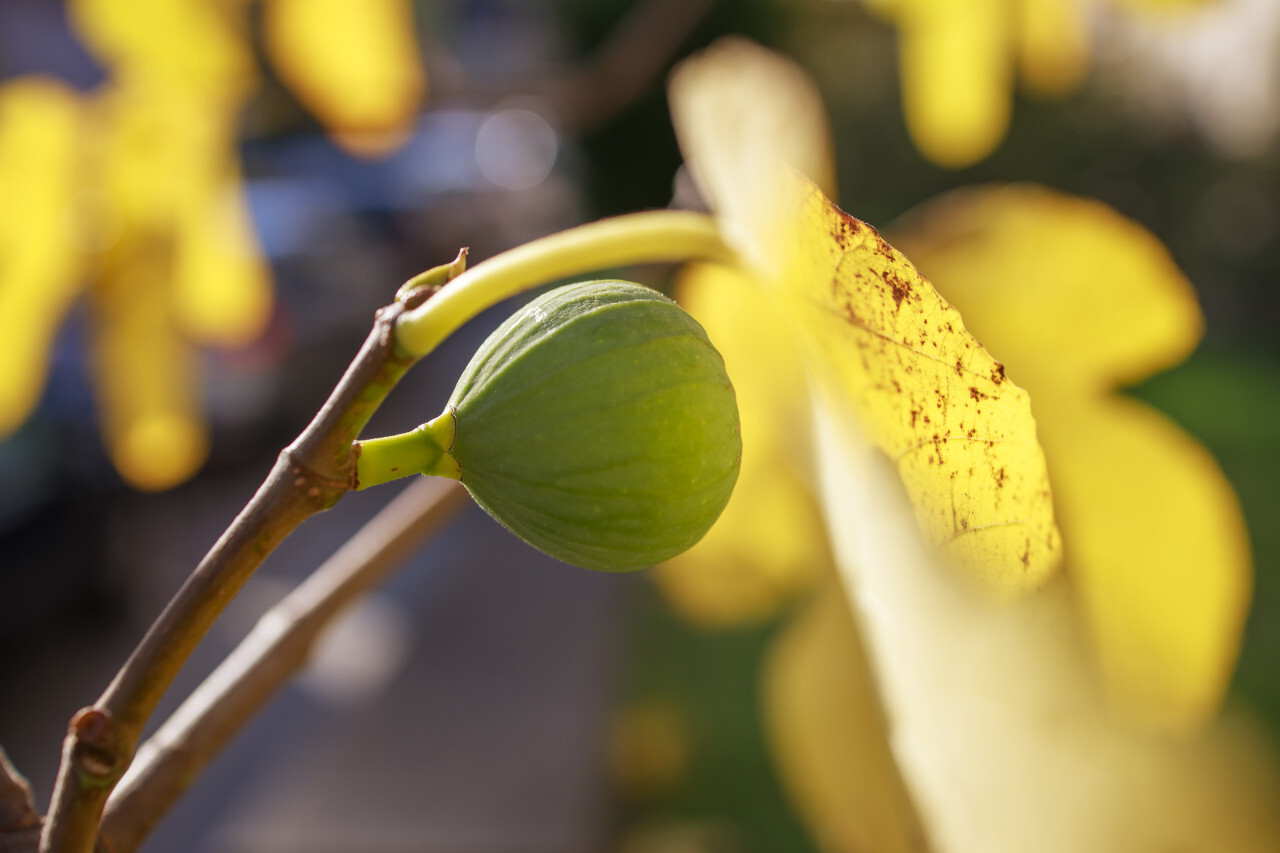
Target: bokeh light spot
[516, 148]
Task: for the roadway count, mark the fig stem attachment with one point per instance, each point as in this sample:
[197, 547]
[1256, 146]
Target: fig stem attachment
[424, 450]
[425, 283]
[651, 237]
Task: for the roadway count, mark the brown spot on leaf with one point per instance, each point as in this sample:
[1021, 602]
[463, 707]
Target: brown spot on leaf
[1000, 477]
[959, 367]
[997, 374]
[843, 230]
[853, 317]
[901, 289]
[977, 395]
[841, 235]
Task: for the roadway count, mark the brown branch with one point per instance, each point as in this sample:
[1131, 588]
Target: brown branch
[19, 822]
[267, 658]
[309, 477]
[630, 59]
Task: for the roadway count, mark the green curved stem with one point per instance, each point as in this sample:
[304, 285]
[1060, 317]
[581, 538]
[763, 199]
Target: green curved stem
[650, 237]
[424, 450]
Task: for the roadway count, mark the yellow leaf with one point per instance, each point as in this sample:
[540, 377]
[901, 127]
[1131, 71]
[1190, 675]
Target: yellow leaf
[1158, 553]
[995, 720]
[153, 147]
[41, 125]
[892, 352]
[1080, 301]
[1166, 7]
[1046, 273]
[146, 373]
[925, 392]
[956, 60]
[956, 65]
[354, 63]
[738, 109]
[829, 735]
[987, 720]
[141, 181]
[222, 287]
[187, 45]
[741, 319]
[1052, 45]
[167, 163]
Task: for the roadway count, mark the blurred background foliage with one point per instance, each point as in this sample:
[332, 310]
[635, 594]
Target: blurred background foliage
[204, 202]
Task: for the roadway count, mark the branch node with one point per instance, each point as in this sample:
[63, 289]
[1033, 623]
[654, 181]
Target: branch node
[97, 750]
[320, 490]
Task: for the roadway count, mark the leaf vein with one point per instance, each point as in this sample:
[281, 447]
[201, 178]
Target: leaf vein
[1012, 522]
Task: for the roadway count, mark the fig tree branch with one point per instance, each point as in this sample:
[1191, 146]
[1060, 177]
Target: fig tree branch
[268, 658]
[309, 476]
[19, 822]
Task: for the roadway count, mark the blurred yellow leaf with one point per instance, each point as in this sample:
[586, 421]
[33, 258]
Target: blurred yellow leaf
[1052, 45]
[354, 63]
[1165, 6]
[222, 287]
[186, 45]
[921, 715]
[150, 406]
[1080, 301]
[891, 351]
[41, 123]
[739, 110]
[957, 61]
[167, 162]
[137, 188]
[994, 718]
[956, 69]
[185, 270]
[829, 735]
[181, 267]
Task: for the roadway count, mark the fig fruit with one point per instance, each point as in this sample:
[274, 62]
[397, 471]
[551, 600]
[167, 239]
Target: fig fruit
[597, 424]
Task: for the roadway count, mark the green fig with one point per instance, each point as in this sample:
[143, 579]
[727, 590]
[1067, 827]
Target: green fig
[597, 424]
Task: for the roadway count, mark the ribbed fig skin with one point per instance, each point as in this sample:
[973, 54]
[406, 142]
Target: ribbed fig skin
[598, 424]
